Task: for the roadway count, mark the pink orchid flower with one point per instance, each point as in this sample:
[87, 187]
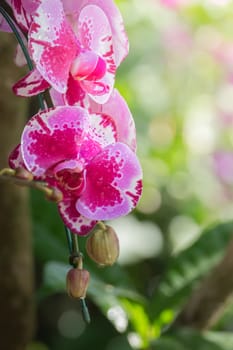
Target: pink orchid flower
[76, 47]
[81, 155]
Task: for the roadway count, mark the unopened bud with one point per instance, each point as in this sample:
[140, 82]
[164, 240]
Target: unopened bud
[103, 245]
[23, 174]
[77, 281]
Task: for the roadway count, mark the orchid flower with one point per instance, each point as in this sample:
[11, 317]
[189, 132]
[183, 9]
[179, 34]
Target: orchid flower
[87, 159]
[76, 48]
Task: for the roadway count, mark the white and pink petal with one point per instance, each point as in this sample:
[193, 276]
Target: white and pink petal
[23, 18]
[52, 44]
[113, 184]
[117, 109]
[119, 37]
[31, 84]
[15, 159]
[52, 136]
[99, 90]
[100, 133]
[76, 222]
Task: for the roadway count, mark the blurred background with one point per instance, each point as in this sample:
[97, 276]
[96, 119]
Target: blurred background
[178, 82]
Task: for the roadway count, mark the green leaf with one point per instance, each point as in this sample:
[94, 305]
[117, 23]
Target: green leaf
[37, 346]
[187, 339]
[186, 269]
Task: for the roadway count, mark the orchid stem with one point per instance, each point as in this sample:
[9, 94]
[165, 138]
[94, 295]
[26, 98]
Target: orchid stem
[69, 239]
[75, 244]
[85, 311]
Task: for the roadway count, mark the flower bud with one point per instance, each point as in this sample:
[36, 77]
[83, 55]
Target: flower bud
[103, 245]
[77, 281]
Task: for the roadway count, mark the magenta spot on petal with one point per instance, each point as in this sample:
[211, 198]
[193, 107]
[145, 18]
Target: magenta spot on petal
[86, 32]
[49, 149]
[100, 176]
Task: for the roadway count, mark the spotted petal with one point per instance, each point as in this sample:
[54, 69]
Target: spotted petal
[23, 18]
[52, 44]
[15, 159]
[73, 219]
[51, 137]
[95, 34]
[100, 133]
[120, 40]
[113, 184]
[31, 84]
[117, 109]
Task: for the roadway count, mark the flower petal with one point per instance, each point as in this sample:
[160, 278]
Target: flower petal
[95, 34]
[30, 5]
[102, 129]
[117, 109]
[52, 44]
[15, 159]
[52, 136]
[100, 133]
[99, 90]
[31, 84]
[19, 58]
[23, 18]
[113, 184]
[120, 40]
[73, 219]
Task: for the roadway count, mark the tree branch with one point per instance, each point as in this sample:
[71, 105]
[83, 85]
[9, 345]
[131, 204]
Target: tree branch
[16, 264]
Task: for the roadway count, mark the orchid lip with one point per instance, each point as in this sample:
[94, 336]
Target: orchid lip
[70, 176]
[88, 65]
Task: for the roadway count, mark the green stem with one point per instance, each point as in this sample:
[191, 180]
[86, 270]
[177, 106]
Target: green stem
[75, 244]
[85, 311]
[23, 47]
[69, 239]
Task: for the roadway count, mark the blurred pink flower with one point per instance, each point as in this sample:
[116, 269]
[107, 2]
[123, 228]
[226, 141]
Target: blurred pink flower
[173, 3]
[223, 166]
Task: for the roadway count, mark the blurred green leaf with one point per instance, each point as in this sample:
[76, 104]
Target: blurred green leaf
[187, 339]
[184, 270]
[37, 346]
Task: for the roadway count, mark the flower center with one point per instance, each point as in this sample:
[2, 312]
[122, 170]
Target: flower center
[89, 66]
[70, 177]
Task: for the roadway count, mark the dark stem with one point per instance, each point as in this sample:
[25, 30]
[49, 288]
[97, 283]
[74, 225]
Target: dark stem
[23, 47]
[69, 239]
